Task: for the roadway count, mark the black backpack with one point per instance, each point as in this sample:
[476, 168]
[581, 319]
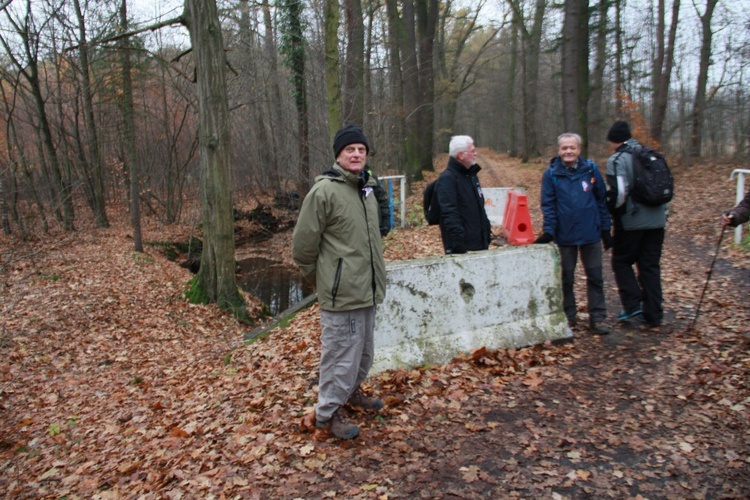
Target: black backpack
[431, 210]
[652, 181]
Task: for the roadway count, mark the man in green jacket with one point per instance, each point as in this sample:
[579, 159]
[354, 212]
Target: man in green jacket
[337, 244]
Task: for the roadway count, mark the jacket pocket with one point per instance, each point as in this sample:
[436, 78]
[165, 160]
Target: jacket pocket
[336, 281]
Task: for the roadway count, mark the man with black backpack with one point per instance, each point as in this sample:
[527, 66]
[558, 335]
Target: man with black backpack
[640, 186]
[464, 225]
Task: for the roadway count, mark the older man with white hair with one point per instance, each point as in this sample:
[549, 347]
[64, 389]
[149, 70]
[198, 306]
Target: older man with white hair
[464, 225]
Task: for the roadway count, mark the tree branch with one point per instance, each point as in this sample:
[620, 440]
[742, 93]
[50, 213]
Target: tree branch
[152, 27]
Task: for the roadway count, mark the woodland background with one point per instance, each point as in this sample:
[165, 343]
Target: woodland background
[93, 118]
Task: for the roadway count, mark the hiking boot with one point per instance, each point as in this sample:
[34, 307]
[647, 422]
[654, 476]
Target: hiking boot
[625, 315]
[339, 427]
[361, 401]
[572, 322]
[599, 329]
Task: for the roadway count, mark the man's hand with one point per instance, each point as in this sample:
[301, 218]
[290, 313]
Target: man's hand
[607, 240]
[544, 238]
[727, 219]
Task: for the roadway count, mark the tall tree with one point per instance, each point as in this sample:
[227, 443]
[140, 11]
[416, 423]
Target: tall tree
[275, 101]
[215, 281]
[575, 68]
[699, 104]
[333, 80]
[596, 98]
[510, 88]
[396, 40]
[531, 39]
[427, 20]
[663, 67]
[354, 74]
[130, 156]
[293, 48]
[92, 167]
[619, 54]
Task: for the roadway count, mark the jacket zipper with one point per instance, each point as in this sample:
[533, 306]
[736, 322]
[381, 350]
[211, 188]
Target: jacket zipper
[369, 244]
[337, 280]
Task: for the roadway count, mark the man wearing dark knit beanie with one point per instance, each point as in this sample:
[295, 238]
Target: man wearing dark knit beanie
[638, 236]
[336, 244]
[351, 134]
[619, 132]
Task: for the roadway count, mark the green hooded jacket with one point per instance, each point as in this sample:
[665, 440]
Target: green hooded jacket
[336, 241]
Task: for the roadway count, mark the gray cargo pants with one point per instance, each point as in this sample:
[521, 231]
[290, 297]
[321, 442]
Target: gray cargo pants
[346, 356]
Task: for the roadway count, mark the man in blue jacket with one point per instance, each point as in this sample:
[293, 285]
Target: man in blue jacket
[464, 225]
[574, 206]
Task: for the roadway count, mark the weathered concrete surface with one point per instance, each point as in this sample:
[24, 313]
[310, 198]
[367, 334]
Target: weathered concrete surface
[438, 307]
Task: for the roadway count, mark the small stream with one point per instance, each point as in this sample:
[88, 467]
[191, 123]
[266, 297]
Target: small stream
[278, 286]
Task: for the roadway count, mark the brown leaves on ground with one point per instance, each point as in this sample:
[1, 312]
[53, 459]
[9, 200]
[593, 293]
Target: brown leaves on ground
[112, 385]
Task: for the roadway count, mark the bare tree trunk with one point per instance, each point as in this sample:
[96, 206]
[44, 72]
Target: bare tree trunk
[410, 78]
[427, 18]
[575, 68]
[663, 71]
[215, 281]
[516, 30]
[129, 148]
[619, 76]
[333, 82]
[596, 114]
[275, 110]
[294, 50]
[95, 165]
[16, 155]
[530, 80]
[354, 75]
[396, 38]
[696, 137]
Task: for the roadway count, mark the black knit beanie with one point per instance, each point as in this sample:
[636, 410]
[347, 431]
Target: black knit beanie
[350, 134]
[619, 132]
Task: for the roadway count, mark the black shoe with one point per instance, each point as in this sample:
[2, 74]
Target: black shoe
[599, 329]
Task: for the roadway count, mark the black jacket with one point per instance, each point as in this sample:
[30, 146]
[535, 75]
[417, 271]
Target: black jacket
[464, 225]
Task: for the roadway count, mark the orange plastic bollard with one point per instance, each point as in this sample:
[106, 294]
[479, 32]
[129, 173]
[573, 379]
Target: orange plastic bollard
[517, 220]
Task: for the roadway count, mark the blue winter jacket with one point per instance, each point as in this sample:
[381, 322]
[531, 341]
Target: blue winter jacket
[574, 202]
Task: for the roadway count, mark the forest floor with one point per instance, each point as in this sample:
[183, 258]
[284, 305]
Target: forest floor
[112, 385]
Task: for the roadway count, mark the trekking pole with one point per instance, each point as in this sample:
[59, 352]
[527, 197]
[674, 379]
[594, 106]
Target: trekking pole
[708, 278]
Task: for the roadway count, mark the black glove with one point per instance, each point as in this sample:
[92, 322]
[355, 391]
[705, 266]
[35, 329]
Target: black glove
[731, 219]
[458, 249]
[607, 240]
[544, 238]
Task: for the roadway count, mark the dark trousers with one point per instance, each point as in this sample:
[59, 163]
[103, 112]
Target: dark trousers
[642, 248]
[591, 257]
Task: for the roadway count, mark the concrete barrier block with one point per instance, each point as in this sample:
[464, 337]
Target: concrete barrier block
[438, 307]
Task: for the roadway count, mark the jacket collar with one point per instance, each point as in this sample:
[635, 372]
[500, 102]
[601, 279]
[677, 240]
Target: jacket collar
[459, 168]
[560, 168]
[337, 172]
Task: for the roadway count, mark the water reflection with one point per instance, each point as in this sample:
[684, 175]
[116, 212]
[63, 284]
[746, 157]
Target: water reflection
[278, 286]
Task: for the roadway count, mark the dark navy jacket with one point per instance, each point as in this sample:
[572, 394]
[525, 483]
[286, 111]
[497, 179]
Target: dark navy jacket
[464, 225]
[574, 202]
